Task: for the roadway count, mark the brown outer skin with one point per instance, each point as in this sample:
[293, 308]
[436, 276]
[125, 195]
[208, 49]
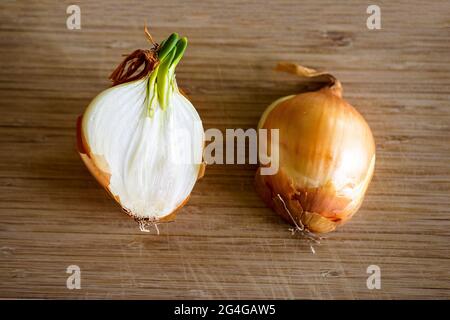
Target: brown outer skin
[320, 210]
[104, 177]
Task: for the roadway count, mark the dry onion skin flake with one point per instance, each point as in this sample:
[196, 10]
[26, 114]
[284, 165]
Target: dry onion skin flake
[326, 156]
[142, 139]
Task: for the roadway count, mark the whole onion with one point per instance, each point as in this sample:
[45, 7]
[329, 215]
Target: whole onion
[326, 156]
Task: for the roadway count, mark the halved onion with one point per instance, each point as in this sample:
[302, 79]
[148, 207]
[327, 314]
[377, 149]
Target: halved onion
[144, 143]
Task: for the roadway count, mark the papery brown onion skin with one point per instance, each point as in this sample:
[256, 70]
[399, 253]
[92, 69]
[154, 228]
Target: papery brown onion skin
[326, 159]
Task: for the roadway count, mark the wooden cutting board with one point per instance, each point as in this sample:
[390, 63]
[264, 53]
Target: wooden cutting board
[225, 243]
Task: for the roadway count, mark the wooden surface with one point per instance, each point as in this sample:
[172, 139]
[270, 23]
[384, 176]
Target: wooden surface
[225, 243]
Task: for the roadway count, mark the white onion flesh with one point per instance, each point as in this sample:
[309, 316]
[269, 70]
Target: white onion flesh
[147, 158]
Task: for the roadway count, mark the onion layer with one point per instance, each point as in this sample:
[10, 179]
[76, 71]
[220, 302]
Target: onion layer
[326, 156]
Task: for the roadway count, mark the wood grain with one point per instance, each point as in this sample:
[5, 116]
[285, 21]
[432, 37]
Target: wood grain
[225, 243]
